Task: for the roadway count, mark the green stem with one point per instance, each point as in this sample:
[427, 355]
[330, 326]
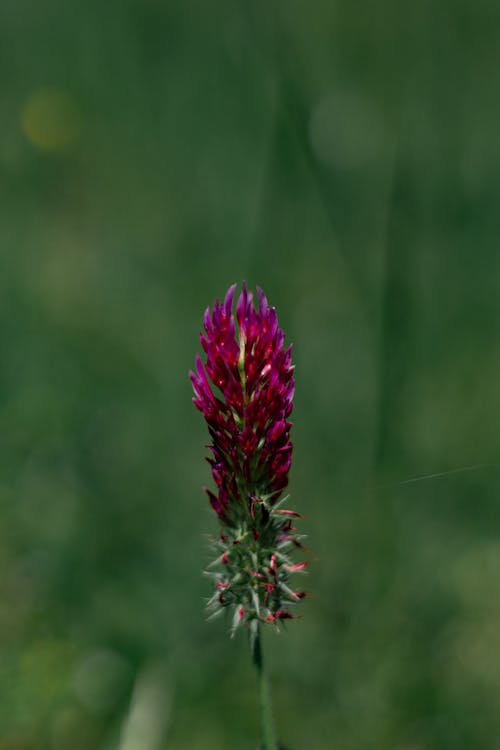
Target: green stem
[266, 714]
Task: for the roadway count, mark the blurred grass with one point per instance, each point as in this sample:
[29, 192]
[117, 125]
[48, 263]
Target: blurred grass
[345, 158]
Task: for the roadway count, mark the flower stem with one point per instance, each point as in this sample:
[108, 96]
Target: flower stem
[266, 714]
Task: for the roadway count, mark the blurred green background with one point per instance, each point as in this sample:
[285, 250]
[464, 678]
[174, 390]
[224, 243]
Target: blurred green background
[344, 156]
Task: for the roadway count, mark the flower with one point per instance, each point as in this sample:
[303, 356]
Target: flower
[245, 392]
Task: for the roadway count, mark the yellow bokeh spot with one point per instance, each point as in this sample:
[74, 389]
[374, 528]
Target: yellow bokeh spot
[50, 119]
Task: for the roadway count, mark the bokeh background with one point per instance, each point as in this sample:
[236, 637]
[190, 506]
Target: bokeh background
[344, 156]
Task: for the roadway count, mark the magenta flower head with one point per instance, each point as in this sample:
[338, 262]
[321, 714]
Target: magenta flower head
[245, 391]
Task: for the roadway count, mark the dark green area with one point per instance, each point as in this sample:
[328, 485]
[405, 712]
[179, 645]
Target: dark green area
[346, 157]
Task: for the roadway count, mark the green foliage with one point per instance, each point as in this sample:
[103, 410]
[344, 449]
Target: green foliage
[346, 159]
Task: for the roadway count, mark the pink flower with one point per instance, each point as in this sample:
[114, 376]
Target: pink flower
[245, 392]
[248, 405]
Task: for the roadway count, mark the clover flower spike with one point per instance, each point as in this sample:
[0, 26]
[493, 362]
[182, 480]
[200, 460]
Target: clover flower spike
[245, 392]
